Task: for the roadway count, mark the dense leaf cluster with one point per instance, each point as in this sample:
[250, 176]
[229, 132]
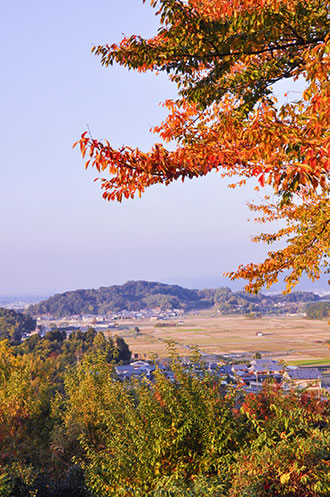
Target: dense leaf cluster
[225, 57]
[67, 350]
[78, 431]
[318, 310]
[14, 324]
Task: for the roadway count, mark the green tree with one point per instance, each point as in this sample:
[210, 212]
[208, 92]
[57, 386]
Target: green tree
[151, 437]
[318, 310]
[25, 427]
[14, 324]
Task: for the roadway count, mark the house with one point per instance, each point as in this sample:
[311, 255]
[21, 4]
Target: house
[125, 372]
[133, 370]
[142, 364]
[242, 372]
[252, 387]
[212, 366]
[305, 378]
[266, 366]
[263, 368]
[239, 368]
[225, 369]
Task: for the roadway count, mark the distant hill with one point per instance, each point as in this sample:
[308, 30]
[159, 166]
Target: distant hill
[137, 295]
[132, 296]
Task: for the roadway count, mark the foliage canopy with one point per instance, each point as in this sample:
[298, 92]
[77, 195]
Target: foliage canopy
[14, 324]
[74, 429]
[224, 57]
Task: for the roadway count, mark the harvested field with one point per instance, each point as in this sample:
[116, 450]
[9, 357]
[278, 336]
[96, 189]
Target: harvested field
[287, 338]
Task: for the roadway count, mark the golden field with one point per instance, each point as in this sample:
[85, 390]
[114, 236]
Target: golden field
[289, 338]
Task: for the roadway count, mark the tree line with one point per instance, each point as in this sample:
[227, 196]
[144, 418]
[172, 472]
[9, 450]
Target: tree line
[137, 295]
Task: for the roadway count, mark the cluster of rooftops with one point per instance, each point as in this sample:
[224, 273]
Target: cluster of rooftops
[250, 375]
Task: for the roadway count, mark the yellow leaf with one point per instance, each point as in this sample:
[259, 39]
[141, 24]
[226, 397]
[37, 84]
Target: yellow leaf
[285, 478]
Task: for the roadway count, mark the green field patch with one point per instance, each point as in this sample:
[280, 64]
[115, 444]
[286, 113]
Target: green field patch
[310, 362]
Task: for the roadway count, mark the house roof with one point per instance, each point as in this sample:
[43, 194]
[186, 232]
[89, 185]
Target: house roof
[129, 371]
[270, 368]
[141, 364]
[263, 361]
[304, 374]
[124, 369]
[243, 374]
[225, 369]
[239, 367]
[260, 365]
[212, 365]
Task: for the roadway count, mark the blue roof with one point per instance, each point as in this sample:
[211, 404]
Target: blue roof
[260, 365]
[124, 369]
[304, 374]
[263, 361]
[225, 369]
[239, 367]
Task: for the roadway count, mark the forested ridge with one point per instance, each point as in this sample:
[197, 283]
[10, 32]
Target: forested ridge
[137, 295]
[133, 295]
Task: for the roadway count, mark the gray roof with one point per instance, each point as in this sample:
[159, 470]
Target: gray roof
[139, 364]
[243, 374]
[304, 374]
[239, 367]
[270, 368]
[212, 365]
[124, 369]
[129, 371]
[225, 369]
[260, 362]
[260, 365]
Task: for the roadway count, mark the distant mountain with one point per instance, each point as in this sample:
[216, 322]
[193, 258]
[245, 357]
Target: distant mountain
[137, 295]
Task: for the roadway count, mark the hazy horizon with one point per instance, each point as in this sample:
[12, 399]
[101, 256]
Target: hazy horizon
[191, 283]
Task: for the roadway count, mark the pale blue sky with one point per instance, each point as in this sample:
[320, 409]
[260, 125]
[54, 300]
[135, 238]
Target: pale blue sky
[57, 233]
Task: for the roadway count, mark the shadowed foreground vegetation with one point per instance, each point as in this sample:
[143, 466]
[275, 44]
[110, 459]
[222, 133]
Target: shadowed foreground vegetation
[72, 429]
